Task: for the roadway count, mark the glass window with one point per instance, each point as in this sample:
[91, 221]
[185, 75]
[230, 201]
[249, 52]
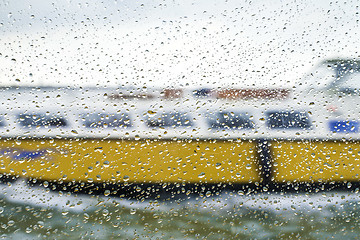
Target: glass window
[344, 126]
[340, 74]
[203, 92]
[41, 120]
[288, 119]
[104, 120]
[230, 120]
[350, 83]
[169, 119]
[2, 122]
[322, 77]
[239, 144]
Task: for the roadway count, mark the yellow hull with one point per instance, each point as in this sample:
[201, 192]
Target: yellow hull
[150, 161]
[182, 161]
[316, 161]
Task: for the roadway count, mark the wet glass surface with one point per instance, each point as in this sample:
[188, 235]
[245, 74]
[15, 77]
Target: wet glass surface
[179, 119]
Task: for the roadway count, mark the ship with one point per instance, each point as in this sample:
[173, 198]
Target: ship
[140, 140]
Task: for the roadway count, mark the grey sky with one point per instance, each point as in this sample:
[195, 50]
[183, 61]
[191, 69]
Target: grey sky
[157, 43]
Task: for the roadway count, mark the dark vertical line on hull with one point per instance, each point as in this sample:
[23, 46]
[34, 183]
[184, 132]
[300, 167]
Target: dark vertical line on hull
[265, 159]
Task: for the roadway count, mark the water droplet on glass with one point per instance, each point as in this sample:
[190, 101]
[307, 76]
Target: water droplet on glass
[218, 165]
[201, 175]
[41, 224]
[105, 212]
[106, 164]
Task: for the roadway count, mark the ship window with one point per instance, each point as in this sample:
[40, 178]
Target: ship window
[344, 126]
[41, 120]
[169, 119]
[103, 120]
[350, 83]
[230, 120]
[290, 119]
[2, 122]
[203, 92]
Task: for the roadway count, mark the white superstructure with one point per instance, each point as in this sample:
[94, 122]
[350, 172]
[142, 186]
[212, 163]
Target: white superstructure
[321, 110]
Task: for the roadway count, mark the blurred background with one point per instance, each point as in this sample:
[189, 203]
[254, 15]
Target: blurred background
[177, 43]
[174, 43]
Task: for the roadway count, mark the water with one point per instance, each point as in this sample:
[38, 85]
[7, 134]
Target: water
[37, 213]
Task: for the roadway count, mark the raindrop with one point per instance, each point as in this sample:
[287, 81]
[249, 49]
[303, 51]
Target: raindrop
[64, 213]
[201, 175]
[218, 165]
[41, 224]
[106, 164]
[105, 212]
